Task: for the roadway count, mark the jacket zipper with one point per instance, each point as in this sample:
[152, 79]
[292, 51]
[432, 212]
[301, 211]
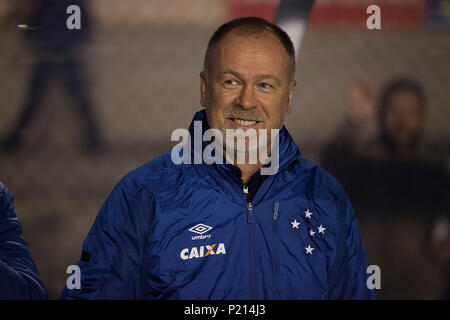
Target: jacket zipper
[276, 258]
[250, 214]
[251, 226]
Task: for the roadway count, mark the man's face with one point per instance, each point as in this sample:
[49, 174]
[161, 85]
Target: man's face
[248, 84]
[404, 118]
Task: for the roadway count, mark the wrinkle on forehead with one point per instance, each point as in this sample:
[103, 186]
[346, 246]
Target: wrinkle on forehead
[262, 51]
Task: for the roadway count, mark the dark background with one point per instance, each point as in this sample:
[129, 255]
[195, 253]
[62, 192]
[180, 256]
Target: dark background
[142, 65]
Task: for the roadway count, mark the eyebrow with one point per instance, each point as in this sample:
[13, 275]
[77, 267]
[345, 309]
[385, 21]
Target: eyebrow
[260, 77]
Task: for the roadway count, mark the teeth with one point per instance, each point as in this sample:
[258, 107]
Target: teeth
[244, 122]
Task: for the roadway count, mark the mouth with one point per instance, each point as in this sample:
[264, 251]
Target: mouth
[245, 123]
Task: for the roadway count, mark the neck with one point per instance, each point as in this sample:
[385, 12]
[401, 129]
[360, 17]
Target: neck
[248, 170]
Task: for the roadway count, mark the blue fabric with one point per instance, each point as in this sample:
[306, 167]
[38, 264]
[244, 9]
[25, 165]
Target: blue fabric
[142, 247]
[19, 278]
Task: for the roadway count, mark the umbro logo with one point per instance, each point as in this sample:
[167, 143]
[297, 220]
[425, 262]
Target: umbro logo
[200, 229]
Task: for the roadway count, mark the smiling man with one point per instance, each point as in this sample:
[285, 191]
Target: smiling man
[251, 90]
[225, 230]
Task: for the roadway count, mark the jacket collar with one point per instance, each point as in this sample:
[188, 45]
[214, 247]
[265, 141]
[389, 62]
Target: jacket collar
[221, 176]
[288, 150]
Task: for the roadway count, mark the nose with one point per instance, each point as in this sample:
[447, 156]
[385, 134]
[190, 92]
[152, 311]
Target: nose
[246, 98]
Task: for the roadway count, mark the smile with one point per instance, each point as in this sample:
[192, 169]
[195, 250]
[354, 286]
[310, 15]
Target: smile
[245, 122]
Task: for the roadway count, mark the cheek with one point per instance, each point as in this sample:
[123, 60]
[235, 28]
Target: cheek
[218, 104]
[414, 123]
[220, 99]
[276, 110]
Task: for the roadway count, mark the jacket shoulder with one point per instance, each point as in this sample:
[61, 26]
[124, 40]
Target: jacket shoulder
[6, 199]
[321, 184]
[326, 193]
[154, 175]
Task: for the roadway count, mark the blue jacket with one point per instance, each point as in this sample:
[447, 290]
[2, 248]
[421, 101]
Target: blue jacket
[186, 232]
[19, 278]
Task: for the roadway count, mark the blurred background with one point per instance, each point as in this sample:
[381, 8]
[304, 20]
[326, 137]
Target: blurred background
[80, 109]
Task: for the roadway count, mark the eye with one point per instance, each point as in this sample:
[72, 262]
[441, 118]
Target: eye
[265, 86]
[230, 83]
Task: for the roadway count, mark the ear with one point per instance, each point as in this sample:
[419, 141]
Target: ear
[203, 89]
[291, 96]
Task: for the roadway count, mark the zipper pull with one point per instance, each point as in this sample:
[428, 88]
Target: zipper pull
[275, 210]
[244, 187]
[250, 216]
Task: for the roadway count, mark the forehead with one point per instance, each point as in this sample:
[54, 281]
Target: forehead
[254, 53]
[405, 104]
[404, 98]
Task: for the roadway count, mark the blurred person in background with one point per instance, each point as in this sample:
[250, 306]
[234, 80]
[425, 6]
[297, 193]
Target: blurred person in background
[19, 277]
[58, 51]
[399, 158]
[341, 154]
[407, 189]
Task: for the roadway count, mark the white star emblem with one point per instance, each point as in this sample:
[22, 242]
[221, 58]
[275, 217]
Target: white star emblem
[311, 232]
[295, 224]
[308, 214]
[309, 249]
[321, 229]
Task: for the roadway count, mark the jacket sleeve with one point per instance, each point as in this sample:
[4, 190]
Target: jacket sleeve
[19, 278]
[348, 272]
[111, 263]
